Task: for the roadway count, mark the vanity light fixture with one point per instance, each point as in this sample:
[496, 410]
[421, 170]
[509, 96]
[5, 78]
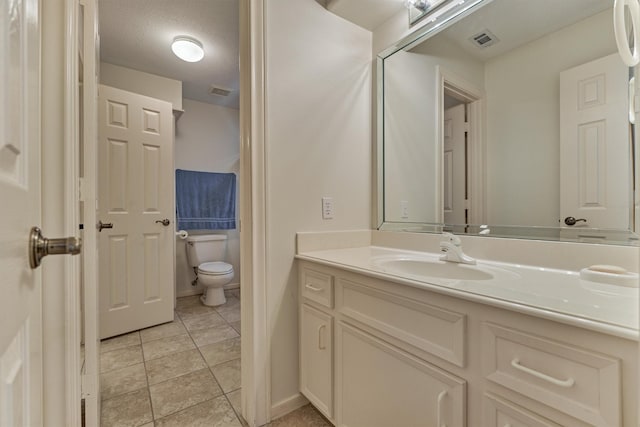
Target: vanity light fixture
[421, 5]
[187, 48]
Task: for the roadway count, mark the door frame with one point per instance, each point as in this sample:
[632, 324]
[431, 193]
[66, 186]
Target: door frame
[60, 214]
[256, 360]
[476, 176]
[255, 337]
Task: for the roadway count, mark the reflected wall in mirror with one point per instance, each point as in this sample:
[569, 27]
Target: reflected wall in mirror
[515, 115]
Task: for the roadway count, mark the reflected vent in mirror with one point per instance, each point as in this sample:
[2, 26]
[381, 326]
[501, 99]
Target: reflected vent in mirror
[213, 90]
[484, 39]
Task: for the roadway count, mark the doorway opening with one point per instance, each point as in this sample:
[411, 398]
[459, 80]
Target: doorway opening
[144, 365]
[460, 134]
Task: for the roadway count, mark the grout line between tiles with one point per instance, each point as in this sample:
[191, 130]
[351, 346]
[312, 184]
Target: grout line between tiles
[148, 386]
[146, 375]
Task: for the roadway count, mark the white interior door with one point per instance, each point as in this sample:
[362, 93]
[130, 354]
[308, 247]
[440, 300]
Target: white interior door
[594, 144]
[135, 193]
[454, 166]
[20, 305]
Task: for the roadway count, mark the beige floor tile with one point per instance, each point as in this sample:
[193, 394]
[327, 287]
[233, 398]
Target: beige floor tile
[187, 301]
[235, 400]
[120, 358]
[127, 410]
[174, 365]
[203, 321]
[213, 413]
[121, 341]
[162, 331]
[164, 346]
[236, 326]
[123, 380]
[222, 351]
[230, 303]
[213, 335]
[193, 310]
[307, 416]
[230, 314]
[228, 375]
[182, 392]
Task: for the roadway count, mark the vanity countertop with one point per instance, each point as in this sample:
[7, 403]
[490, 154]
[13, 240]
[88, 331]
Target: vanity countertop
[554, 294]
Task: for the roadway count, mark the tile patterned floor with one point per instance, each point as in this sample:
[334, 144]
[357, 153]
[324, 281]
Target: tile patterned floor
[182, 373]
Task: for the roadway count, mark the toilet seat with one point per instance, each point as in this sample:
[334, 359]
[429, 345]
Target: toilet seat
[215, 268]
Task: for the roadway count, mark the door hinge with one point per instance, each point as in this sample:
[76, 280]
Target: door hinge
[467, 127]
[467, 204]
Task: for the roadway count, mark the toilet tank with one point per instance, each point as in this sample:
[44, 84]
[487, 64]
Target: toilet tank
[206, 248]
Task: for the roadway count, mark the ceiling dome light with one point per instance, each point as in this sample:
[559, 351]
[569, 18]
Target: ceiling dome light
[187, 48]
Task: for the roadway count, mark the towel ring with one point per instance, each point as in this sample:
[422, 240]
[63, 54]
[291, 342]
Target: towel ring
[631, 59]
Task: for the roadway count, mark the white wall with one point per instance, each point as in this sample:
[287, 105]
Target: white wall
[411, 148]
[158, 87]
[318, 143]
[208, 140]
[523, 120]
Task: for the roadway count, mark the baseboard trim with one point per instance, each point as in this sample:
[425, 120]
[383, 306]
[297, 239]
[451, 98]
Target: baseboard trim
[287, 405]
[231, 286]
[198, 290]
[189, 292]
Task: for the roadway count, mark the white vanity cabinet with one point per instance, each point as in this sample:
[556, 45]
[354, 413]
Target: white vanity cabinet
[374, 352]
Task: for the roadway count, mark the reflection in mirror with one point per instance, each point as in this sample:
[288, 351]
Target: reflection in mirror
[514, 116]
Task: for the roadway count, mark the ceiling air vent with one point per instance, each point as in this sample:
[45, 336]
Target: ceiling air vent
[213, 90]
[484, 39]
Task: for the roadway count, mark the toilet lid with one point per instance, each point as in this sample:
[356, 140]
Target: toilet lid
[215, 268]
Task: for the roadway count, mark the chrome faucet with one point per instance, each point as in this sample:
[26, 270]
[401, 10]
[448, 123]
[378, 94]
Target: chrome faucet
[453, 250]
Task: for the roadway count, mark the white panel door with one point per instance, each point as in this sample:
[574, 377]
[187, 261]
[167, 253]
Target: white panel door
[20, 304]
[454, 166]
[594, 144]
[135, 193]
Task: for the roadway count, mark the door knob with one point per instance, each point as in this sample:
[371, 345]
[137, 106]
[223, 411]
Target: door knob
[572, 221]
[102, 225]
[164, 222]
[40, 247]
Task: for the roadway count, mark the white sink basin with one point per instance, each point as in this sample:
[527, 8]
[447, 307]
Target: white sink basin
[435, 268]
[432, 267]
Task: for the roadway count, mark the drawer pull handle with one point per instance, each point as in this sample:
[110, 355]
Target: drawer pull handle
[321, 346]
[313, 288]
[441, 397]
[560, 383]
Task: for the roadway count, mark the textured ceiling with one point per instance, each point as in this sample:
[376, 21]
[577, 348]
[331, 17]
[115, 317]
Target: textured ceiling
[516, 22]
[138, 34]
[368, 14]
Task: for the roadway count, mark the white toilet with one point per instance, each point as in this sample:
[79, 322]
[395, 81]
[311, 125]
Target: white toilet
[205, 253]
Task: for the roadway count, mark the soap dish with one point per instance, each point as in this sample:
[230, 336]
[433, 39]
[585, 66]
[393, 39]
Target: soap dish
[610, 274]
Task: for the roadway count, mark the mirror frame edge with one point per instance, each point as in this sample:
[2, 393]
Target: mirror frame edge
[448, 17]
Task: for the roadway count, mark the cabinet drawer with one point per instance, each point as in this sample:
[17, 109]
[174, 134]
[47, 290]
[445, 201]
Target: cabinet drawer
[583, 384]
[317, 286]
[429, 328]
[501, 413]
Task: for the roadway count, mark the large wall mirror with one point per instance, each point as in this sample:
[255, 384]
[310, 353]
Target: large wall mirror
[510, 118]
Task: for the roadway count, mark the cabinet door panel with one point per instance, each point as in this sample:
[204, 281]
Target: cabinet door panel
[316, 356]
[380, 385]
